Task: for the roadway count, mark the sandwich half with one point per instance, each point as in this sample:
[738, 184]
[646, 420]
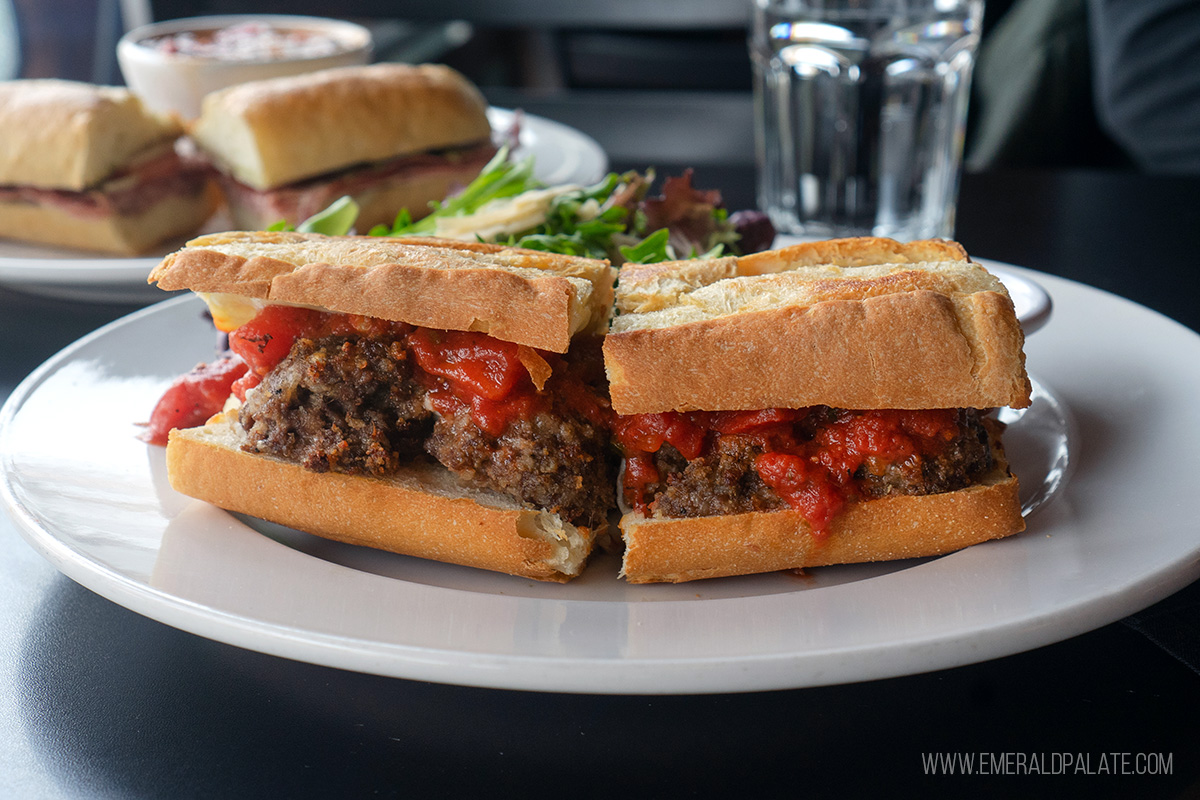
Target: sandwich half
[392, 136]
[822, 404]
[89, 167]
[439, 399]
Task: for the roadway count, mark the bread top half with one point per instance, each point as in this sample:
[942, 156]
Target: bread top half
[279, 131]
[525, 296]
[72, 136]
[852, 323]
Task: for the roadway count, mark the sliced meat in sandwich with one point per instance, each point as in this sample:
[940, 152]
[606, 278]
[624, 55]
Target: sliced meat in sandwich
[440, 399]
[392, 136]
[822, 404]
[89, 167]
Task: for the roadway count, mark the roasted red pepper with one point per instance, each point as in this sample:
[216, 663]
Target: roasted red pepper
[804, 486]
[473, 369]
[193, 398]
[648, 432]
[809, 456]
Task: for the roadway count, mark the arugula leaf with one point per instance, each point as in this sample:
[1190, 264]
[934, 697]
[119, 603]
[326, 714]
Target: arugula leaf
[336, 220]
[651, 250]
[403, 220]
[498, 180]
[613, 218]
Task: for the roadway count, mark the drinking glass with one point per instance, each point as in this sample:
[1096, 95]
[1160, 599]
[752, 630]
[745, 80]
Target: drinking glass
[860, 109]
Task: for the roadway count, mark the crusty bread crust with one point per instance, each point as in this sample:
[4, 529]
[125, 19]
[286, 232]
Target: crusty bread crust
[804, 273]
[529, 297]
[859, 251]
[174, 217]
[653, 287]
[791, 329]
[912, 350]
[66, 135]
[883, 529]
[278, 131]
[420, 512]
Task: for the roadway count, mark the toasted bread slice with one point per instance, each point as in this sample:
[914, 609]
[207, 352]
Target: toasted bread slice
[529, 297]
[853, 323]
[420, 511]
[172, 218]
[881, 529]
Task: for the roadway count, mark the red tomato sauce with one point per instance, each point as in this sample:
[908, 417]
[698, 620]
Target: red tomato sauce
[809, 455]
[266, 340]
[459, 369]
[462, 368]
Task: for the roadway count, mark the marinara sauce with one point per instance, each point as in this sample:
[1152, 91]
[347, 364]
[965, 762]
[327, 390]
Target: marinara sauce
[473, 370]
[490, 377]
[458, 369]
[266, 340]
[809, 456]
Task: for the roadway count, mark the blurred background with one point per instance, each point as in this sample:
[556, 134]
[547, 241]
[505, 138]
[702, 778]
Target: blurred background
[665, 84]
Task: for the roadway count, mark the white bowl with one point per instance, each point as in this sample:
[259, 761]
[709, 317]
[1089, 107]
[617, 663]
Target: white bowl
[175, 82]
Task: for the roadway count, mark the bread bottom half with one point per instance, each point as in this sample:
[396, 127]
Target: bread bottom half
[421, 511]
[911, 526]
[175, 216]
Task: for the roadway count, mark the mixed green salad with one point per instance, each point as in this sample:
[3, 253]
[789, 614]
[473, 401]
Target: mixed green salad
[616, 218]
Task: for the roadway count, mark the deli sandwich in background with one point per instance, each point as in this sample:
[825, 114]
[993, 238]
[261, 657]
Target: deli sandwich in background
[92, 168]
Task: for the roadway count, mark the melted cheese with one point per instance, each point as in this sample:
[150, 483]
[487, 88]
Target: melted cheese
[231, 311]
[503, 217]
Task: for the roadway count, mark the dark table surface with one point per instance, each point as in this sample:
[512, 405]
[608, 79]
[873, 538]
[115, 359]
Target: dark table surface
[96, 701]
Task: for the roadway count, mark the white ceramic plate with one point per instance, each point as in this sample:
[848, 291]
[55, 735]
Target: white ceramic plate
[561, 155]
[1031, 301]
[1121, 533]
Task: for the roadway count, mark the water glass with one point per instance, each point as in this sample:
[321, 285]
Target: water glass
[860, 109]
